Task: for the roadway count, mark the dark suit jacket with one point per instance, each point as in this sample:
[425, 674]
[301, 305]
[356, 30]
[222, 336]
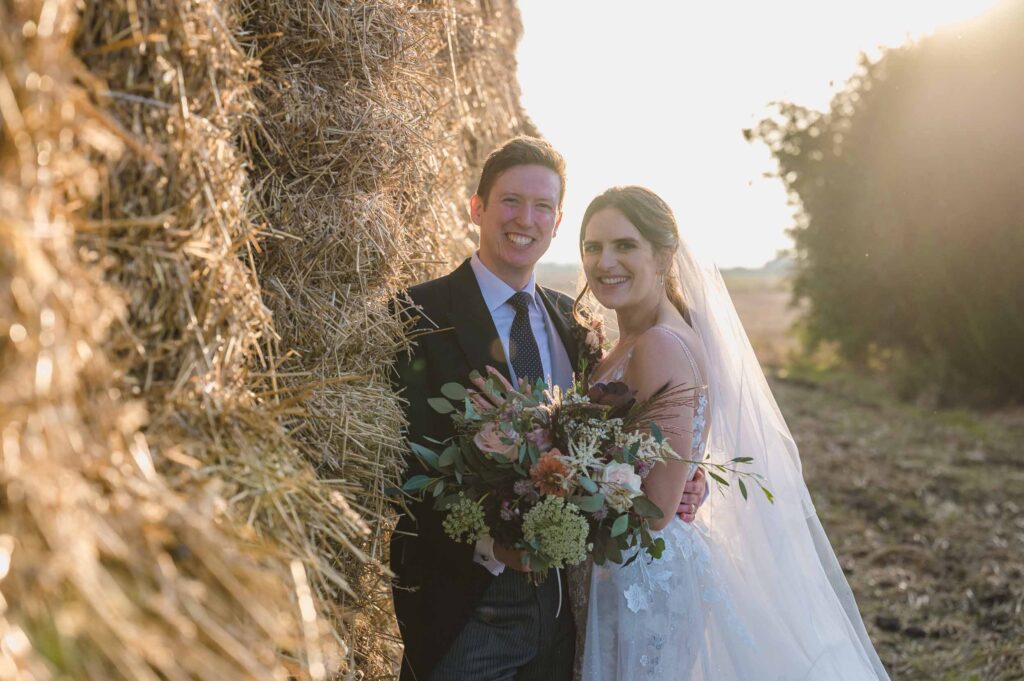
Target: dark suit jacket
[438, 584]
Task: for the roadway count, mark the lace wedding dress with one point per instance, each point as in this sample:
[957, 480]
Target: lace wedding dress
[648, 620]
[701, 612]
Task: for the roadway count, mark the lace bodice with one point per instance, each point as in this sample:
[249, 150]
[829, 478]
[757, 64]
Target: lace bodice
[645, 587]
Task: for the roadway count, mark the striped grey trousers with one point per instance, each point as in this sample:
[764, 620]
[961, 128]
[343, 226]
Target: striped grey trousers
[513, 634]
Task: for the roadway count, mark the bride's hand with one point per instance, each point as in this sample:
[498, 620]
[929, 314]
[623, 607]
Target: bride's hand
[693, 497]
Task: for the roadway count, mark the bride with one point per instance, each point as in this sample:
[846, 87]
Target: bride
[752, 589]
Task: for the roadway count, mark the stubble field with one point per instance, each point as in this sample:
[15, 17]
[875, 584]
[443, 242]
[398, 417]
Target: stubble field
[924, 507]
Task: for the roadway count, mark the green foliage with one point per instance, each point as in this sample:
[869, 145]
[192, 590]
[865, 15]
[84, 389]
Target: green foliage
[910, 231]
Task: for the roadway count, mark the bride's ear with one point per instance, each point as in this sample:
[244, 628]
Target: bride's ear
[664, 259]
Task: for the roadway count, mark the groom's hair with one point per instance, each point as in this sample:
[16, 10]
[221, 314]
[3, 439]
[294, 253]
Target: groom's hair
[521, 151]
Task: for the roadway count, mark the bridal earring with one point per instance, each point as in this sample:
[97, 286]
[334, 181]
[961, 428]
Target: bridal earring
[661, 278]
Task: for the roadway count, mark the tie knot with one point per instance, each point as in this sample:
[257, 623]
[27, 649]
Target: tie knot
[520, 301]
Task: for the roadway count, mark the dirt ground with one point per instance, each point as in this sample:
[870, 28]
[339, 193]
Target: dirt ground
[924, 507]
[925, 510]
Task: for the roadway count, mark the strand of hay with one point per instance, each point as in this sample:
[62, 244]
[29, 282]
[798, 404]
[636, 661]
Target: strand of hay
[373, 118]
[107, 572]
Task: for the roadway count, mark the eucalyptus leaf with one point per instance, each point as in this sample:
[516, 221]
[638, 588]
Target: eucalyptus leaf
[646, 508]
[718, 478]
[620, 525]
[588, 484]
[656, 432]
[446, 501]
[455, 392]
[438, 488]
[589, 504]
[440, 405]
[428, 455]
[447, 457]
[416, 482]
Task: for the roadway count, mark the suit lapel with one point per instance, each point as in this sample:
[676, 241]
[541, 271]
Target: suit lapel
[562, 326]
[473, 324]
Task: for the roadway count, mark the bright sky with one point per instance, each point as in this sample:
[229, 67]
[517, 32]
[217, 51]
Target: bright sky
[658, 92]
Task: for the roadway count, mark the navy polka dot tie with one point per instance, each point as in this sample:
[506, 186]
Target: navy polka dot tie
[522, 346]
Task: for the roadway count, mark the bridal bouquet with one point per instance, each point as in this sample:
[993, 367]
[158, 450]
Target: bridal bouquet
[557, 475]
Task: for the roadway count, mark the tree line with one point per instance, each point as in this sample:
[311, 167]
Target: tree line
[909, 233]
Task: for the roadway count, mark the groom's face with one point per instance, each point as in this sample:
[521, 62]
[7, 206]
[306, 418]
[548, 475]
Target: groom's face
[517, 221]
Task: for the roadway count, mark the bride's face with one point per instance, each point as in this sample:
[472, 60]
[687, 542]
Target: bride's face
[620, 264]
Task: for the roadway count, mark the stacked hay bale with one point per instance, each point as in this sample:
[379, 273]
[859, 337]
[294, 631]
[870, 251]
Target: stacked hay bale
[194, 409]
[108, 571]
[374, 117]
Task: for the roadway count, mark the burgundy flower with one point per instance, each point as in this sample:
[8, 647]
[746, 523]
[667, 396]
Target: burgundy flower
[616, 395]
[643, 467]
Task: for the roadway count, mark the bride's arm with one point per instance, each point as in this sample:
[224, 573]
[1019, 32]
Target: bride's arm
[657, 361]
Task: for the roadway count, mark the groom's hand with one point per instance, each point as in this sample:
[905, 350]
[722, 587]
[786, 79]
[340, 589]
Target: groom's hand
[512, 558]
[693, 497]
[484, 400]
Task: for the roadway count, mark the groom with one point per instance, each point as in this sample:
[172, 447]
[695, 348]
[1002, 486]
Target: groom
[470, 612]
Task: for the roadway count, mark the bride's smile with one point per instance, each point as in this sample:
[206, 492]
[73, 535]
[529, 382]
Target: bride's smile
[621, 266]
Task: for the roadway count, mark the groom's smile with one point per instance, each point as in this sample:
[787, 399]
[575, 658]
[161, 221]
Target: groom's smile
[517, 221]
[519, 239]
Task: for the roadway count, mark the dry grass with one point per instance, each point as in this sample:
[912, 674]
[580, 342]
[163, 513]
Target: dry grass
[926, 514]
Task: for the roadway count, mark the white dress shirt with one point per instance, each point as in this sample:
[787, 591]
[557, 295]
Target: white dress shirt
[496, 294]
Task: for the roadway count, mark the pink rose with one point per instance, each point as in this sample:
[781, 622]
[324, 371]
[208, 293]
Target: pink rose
[623, 476]
[489, 439]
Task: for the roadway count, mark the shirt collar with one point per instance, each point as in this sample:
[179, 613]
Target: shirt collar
[495, 291]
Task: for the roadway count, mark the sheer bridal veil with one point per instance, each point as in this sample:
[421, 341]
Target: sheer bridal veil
[776, 563]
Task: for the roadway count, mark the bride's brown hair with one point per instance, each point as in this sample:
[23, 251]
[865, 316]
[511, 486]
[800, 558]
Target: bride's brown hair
[654, 220]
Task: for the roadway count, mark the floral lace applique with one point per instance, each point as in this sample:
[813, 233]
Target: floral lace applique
[699, 423]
